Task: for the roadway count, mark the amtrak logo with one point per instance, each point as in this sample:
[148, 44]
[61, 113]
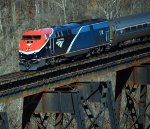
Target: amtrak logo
[60, 42]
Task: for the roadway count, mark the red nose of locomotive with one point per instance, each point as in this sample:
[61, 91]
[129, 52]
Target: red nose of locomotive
[33, 41]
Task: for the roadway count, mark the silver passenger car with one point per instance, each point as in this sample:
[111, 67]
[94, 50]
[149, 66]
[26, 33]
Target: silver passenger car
[130, 28]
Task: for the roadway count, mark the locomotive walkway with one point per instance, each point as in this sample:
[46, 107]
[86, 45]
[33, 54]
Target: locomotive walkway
[22, 84]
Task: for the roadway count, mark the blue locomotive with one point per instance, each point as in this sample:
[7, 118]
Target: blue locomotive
[46, 46]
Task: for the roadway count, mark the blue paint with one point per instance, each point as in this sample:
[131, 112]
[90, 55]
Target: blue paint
[92, 35]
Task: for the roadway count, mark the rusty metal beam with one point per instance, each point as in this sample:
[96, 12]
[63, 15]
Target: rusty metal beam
[53, 101]
[4, 121]
[130, 107]
[136, 76]
[40, 120]
[142, 106]
[76, 101]
[122, 77]
[140, 75]
[29, 105]
[59, 121]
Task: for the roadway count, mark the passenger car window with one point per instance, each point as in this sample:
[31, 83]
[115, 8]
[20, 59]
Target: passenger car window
[121, 31]
[133, 28]
[127, 29]
[139, 27]
[145, 25]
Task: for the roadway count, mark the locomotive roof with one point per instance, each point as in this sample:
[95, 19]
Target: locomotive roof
[132, 20]
[79, 24]
[66, 26]
[91, 21]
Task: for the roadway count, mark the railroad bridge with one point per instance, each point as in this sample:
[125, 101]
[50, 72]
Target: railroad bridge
[78, 100]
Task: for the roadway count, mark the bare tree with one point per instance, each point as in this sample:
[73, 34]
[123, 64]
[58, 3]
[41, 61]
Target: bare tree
[37, 13]
[62, 4]
[1, 28]
[110, 8]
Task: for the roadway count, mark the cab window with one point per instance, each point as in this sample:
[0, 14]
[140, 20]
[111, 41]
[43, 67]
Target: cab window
[29, 37]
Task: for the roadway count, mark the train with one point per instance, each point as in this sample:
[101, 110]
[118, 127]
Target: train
[49, 46]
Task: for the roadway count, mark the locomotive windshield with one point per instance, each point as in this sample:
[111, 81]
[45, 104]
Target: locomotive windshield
[31, 37]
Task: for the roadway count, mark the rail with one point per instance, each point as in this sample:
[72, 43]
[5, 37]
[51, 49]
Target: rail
[23, 84]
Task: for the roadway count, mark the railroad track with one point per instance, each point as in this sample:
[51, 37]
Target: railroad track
[24, 75]
[50, 78]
